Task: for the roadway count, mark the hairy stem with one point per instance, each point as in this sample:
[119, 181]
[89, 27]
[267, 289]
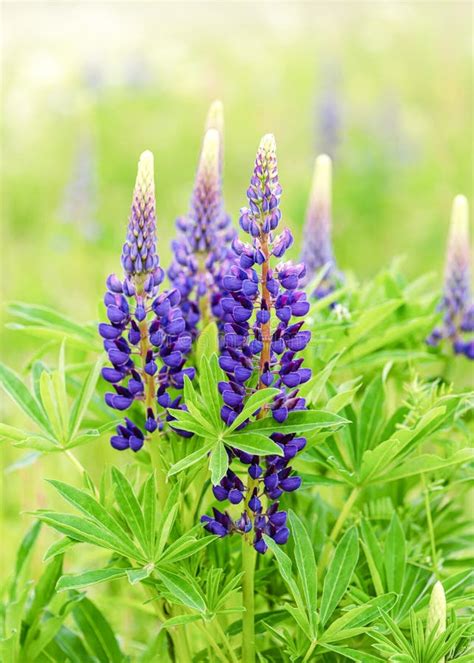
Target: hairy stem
[337, 528]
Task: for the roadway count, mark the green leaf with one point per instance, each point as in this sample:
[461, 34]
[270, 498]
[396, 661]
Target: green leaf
[12, 433]
[71, 645]
[50, 404]
[313, 389]
[149, 512]
[97, 632]
[209, 391]
[82, 529]
[180, 620]
[254, 443]
[23, 554]
[285, 568]
[81, 580]
[254, 403]
[38, 443]
[207, 342]
[357, 617]
[306, 565]
[193, 458]
[58, 548]
[129, 506]
[371, 416]
[339, 573]
[395, 555]
[82, 402]
[49, 318]
[373, 554]
[298, 421]
[167, 519]
[428, 463]
[218, 463]
[353, 654]
[15, 388]
[186, 421]
[85, 503]
[182, 587]
[137, 575]
[44, 589]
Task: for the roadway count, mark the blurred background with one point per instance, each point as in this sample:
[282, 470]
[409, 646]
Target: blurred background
[385, 88]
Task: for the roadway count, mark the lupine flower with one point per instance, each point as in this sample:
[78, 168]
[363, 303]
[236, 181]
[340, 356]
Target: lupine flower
[457, 304]
[317, 249]
[144, 336]
[261, 332]
[202, 245]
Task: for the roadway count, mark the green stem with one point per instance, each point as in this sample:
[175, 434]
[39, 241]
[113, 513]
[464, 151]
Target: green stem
[311, 648]
[214, 646]
[248, 626]
[337, 528]
[225, 641]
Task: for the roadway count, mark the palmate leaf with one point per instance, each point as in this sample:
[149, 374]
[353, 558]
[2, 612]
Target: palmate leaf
[182, 587]
[357, 617]
[88, 578]
[218, 463]
[370, 416]
[82, 402]
[339, 573]
[209, 392]
[130, 507]
[254, 443]
[193, 458]
[253, 404]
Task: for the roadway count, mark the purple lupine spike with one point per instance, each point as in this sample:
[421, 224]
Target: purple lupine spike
[202, 246]
[261, 335]
[317, 251]
[457, 304]
[145, 336]
[139, 251]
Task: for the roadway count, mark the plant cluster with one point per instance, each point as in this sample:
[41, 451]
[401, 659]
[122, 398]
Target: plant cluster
[295, 457]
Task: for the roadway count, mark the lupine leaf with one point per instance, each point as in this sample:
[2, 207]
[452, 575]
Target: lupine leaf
[285, 568]
[12, 433]
[186, 421]
[129, 506]
[82, 529]
[44, 589]
[195, 457]
[181, 619]
[254, 403]
[51, 319]
[81, 580]
[254, 443]
[167, 519]
[395, 555]
[183, 587]
[82, 402]
[23, 554]
[185, 547]
[218, 463]
[306, 564]
[339, 573]
[427, 463]
[20, 394]
[371, 415]
[84, 502]
[72, 646]
[298, 421]
[137, 575]
[360, 616]
[50, 404]
[149, 512]
[209, 391]
[98, 634]
[39, 443]
[58, 547]
[207, 342]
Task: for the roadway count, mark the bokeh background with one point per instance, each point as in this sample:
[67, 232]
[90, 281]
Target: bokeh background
[386, 88]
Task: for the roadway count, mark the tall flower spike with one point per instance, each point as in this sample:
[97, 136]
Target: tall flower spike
[261, 339]
[202, 245]
[144, 336]
[457, 304]
[317, 250]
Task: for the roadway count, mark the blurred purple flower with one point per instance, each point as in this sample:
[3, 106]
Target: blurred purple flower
[457, 304]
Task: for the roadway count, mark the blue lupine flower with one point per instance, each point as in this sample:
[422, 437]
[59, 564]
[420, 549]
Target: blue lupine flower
[260, 335]
[144, 336]
[202, 245]
[457, 304]
[317, 251]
